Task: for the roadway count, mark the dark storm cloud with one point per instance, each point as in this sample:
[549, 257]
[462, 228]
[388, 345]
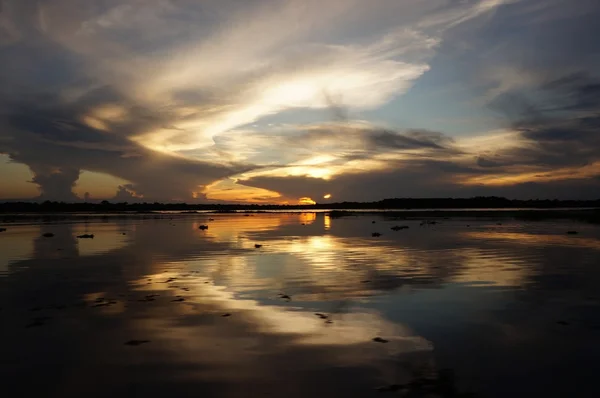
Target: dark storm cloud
[49, 136]
[560, 129]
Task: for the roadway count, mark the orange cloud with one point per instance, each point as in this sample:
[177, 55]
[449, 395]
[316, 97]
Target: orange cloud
[306, 201]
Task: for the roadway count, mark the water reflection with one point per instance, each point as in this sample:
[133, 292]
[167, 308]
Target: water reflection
[298, 315]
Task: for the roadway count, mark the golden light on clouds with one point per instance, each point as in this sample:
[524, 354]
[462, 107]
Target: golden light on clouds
[306, 201]
[229, 190]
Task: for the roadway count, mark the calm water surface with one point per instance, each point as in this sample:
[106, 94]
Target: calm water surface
[488, 310]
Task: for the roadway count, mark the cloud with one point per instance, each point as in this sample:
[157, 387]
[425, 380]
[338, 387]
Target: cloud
[51, 136]
[553, 149]
[171, 95]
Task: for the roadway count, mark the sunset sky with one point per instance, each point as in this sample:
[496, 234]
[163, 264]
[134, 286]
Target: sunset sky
[295, 101]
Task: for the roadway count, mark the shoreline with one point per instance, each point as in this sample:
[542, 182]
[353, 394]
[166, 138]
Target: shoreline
[590, 215]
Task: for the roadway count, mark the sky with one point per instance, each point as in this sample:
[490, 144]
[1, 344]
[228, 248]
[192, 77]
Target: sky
[298, 101]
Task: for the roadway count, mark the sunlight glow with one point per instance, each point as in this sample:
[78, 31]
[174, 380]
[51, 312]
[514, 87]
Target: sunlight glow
[306, 201]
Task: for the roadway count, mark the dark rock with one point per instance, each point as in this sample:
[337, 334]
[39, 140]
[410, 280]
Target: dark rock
[226, 315]
[322, 316]
[572, 232]
[136, 342]
[203, 227]
[256, 245]
[178, 300]
[375, 234]
[390, 388]
[398, 228]
[35, 323]
[380, 340]
[48, 235]
[86, 236]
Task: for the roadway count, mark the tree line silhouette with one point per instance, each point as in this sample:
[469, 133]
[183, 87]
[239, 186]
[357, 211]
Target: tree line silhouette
[487, 202]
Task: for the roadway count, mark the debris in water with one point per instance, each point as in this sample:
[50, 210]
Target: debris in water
[86, 236]
[203, 227]
[322, 316]
[256, 245]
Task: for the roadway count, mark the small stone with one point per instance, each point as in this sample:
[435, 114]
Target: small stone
[390, 388]
[35, 323]
[256, 245]
[380, 340]
[136, 342]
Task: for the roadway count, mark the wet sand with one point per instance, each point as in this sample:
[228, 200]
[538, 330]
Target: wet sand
[300, 305]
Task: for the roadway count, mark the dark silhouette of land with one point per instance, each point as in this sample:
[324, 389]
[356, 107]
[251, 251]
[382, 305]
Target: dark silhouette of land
[491, 206]
[488, 202]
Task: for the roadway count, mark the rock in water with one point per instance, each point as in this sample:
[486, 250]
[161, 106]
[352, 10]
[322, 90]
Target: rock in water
[136, 342]
[380, 340]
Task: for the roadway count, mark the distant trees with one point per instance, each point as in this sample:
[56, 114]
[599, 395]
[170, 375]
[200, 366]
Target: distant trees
[480, 202]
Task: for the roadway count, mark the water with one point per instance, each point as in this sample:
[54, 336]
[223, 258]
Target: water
[481, 310]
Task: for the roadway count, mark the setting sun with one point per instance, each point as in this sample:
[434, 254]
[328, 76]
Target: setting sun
[327, 196]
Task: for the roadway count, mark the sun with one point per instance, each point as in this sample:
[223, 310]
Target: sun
[327, 196]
